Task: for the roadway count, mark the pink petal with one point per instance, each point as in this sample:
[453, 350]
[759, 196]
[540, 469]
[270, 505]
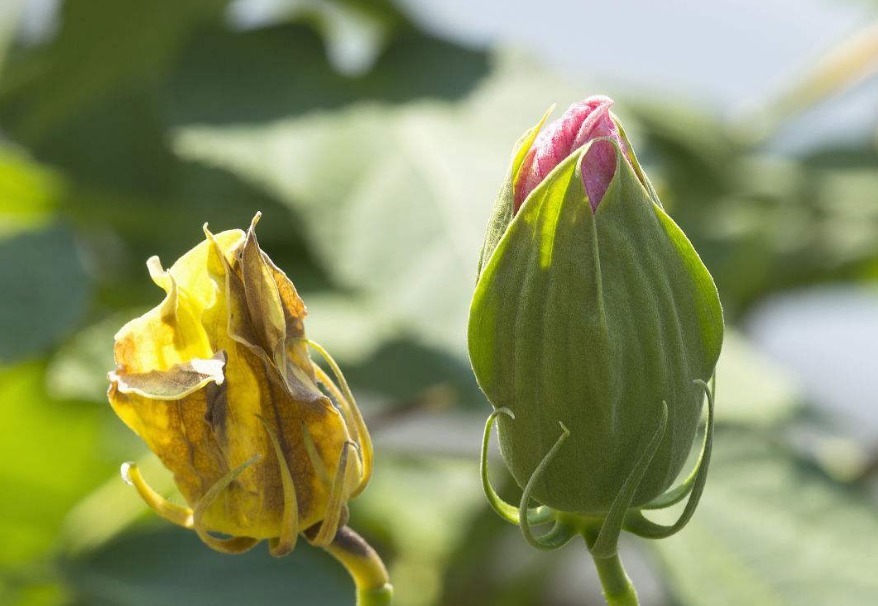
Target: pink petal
[582, 122]
[598, 168]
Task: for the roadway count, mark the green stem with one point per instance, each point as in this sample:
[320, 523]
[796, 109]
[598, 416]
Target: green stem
[365, 567]
[618, 589]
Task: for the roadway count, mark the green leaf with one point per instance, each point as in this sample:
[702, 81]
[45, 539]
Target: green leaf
[762, 223]
[284, 71]
[752, 389]
[114, 506]
[28, 192]
[46, 291]
[414, 375]
[404, 493]
[49, 458]
[771, 531]
[347, 326]
[78, 369]
[172, 566]
[116, 141]
[10, 15]
[102, 46]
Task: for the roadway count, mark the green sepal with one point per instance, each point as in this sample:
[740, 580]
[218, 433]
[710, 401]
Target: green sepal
[510, 513]
[640, 525]
[592, 320]
[504, 206]
[635, 164]
[607, 542]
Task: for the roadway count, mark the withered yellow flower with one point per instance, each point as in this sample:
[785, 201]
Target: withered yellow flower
[218, 381]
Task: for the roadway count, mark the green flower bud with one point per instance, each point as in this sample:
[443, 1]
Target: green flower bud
[595, 315]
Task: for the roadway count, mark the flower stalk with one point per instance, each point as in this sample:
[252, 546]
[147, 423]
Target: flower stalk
[617, 586]
[364, 566]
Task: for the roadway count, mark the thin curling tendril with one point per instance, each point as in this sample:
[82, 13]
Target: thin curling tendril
[552, 539]
[507, 511]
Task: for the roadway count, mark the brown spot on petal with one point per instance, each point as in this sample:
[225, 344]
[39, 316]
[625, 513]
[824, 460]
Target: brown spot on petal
[172, 384]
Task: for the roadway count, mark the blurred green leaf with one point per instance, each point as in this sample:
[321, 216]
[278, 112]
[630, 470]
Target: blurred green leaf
[40, 593]
[172, 566]
[29, 193]
[352, 179]
[347, 326]
[421, 509]
[102, 46]
[752, 389]
[762, 223]
[119, 236]
[771, 531]
[113, 507]
[493, 566]
[46, 290]
[284, 71]
[276, 71]
[10, 14]
[116, 141]
[49, 458]
[407, 371]
[78, 369]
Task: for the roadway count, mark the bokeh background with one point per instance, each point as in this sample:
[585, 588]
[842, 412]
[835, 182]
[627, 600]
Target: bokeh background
[373, 135]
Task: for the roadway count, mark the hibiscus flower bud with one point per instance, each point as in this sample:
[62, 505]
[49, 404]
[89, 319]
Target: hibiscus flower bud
[593, 328]
[218, 381]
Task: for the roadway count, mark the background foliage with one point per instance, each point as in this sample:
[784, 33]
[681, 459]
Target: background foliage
[132, 123]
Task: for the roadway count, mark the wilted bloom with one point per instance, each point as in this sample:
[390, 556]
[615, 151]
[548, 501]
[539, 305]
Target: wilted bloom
[218, 381]
[593, 327]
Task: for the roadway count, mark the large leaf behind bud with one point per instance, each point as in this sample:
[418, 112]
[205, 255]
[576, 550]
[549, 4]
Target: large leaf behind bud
[593, 320]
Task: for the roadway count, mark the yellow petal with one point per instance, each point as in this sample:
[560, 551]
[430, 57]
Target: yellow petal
[177, 431]
[172, 333]
[257, 507]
